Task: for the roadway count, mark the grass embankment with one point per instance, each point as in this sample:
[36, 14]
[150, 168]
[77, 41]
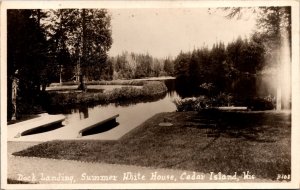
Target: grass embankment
[224, 142]
[149, 90]
[134, 82]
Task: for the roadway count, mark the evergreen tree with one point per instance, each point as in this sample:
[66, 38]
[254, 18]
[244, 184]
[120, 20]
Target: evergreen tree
[27, 57]
[169, 67]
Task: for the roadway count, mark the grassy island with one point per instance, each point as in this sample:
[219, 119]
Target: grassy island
[149, 90]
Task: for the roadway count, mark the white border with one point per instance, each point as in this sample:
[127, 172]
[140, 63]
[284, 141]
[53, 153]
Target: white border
[295, 182]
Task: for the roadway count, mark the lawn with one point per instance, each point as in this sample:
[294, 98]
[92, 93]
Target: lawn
[217, 141]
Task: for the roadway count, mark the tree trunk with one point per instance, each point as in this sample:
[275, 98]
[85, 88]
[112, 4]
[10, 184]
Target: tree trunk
[83, 63]
[14, 98]
[82, 85]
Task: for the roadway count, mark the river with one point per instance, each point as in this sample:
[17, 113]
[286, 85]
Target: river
[132, 114]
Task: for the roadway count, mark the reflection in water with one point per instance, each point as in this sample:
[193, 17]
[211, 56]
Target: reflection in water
[243, 87]
[170, 83]
[130, 116]
[83, 111]
[133, 113]
[185, 89]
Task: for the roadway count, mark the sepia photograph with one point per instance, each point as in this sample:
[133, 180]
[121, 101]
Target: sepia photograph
[152, 94]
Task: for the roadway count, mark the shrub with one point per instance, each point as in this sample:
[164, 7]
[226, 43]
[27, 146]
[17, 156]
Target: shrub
[203, 102]
[193, 104]
[207, 86]
[187, 104]
[222, 99]
[260, 104]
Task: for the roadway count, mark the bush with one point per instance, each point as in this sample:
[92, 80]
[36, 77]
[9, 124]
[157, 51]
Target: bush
[260, 104]
[222, 99]
[193, 104]
[204, 102]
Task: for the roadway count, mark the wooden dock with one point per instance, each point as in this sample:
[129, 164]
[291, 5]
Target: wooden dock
[88, 126]
[26, 131]
[43, 121]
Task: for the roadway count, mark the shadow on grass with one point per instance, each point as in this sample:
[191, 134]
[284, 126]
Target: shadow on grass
[250, 126]
[13, 181]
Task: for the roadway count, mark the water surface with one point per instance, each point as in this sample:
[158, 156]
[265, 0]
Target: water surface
[132, 114]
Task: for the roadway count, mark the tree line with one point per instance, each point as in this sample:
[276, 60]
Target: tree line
[221, 64]
[133, 65]
[124, 66]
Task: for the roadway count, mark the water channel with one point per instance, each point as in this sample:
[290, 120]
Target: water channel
[130, 115]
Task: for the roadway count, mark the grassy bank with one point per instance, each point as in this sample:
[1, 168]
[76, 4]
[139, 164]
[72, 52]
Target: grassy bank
[114, 82]
[227, 142]
[134, 82]
[149, 90]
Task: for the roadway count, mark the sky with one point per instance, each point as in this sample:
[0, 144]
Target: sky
[165, 32]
